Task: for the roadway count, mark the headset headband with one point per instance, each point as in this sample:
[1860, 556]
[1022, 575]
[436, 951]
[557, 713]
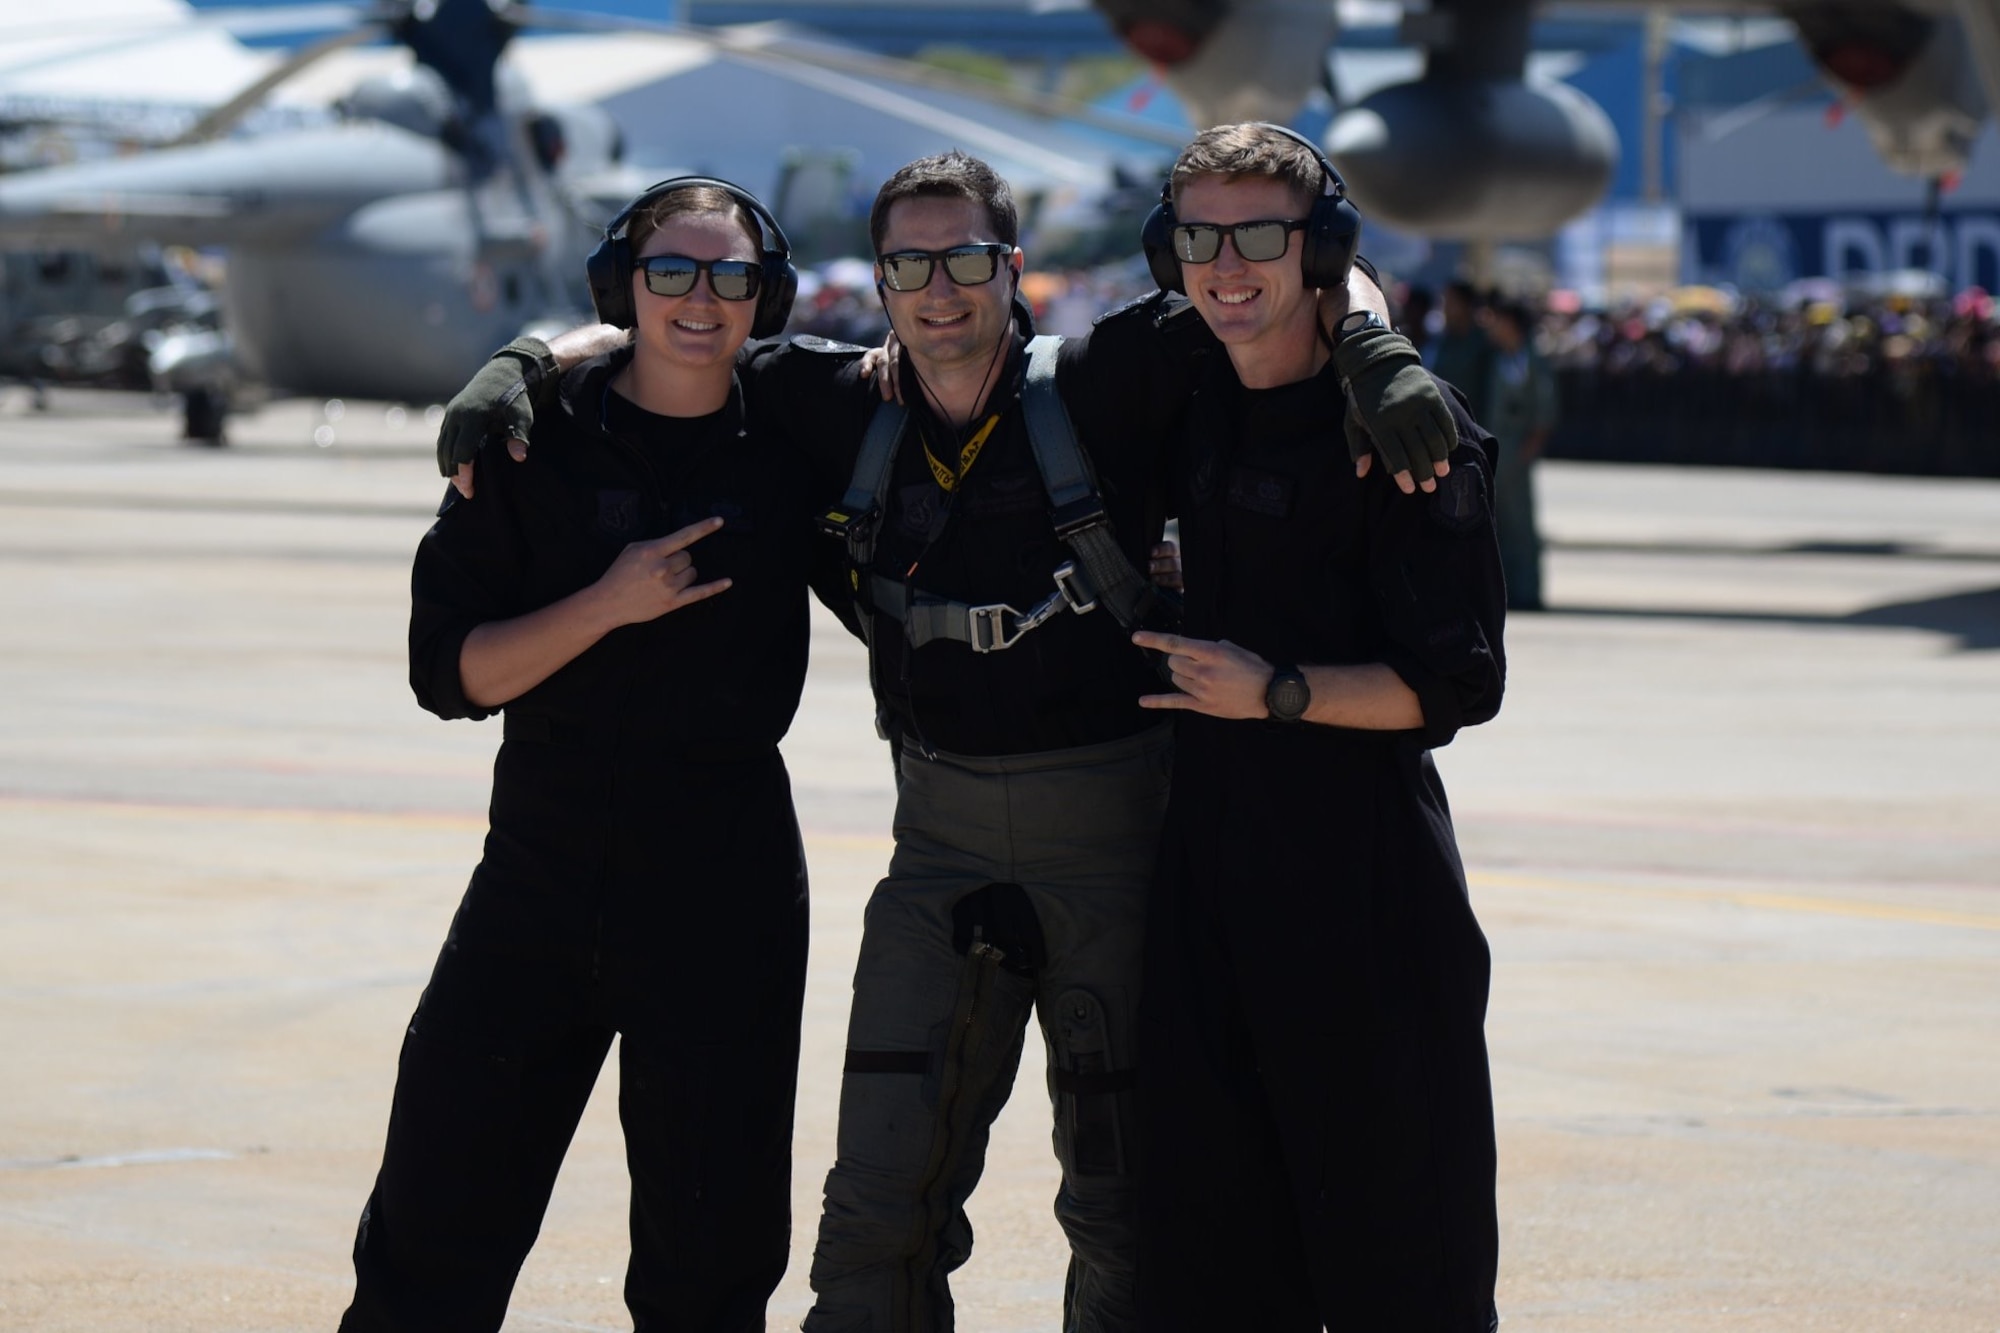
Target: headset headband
[1330, 183]
[1332, 230]
[772, 236]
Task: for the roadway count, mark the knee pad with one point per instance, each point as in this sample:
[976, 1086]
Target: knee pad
[1002, 917]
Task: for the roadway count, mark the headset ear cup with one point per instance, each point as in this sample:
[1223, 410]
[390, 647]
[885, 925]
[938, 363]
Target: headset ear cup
[1156, 238]
[774, 302]
[1333, 235]
[609, 270]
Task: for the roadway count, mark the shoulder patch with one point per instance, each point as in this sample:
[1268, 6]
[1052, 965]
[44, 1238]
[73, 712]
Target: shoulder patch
[812, 342]
[1459, 503]
[1137, 304]
[1176, 311]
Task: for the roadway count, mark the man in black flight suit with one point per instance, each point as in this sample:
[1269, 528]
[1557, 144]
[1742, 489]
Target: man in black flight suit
[1316, 1107]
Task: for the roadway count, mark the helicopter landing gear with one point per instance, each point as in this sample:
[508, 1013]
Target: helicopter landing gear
[204, 410]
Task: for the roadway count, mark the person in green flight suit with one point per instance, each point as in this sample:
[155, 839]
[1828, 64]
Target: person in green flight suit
[1520, 410]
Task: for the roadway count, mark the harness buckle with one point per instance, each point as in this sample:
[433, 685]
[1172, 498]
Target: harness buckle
[1071, 588]
[1078, 516]
[986, 627]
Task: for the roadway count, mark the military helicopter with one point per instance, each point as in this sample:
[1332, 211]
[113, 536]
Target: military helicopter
[385, 254]
[436, 196]
[1473, 150]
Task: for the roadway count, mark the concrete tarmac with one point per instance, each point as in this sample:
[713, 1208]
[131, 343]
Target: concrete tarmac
[1735, 839]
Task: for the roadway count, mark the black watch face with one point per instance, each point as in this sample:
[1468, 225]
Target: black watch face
[1287, 697]
[1356, 320]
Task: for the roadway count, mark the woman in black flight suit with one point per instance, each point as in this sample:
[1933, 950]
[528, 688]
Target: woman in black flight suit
[634, 599]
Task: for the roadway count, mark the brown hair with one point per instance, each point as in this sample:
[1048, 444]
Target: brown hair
[1250, 149]
[952, 175]
[693, 199]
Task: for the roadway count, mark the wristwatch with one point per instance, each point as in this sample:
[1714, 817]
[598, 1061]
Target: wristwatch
[1287, 696]
[1355, 321]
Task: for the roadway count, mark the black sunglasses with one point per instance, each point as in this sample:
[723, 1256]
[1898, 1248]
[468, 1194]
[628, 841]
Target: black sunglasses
[1201, 242]
[968, 265]
[730, 279]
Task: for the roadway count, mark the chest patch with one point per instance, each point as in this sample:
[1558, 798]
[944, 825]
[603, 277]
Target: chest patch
[1201, 477]
[1460, 500]
[920, 511]
[1002, 493]
[735, 518]
[618, 514]
[1261, 492]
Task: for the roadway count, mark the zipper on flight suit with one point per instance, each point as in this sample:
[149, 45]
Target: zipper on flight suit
[982, 964]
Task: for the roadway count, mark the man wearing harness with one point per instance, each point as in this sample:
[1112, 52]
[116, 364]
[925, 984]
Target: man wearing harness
[995, 578]
[1031, 785]
[1316, 1107]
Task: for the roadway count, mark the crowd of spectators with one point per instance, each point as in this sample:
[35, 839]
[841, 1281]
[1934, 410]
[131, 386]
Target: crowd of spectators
[1818, 331]
[1896, 378]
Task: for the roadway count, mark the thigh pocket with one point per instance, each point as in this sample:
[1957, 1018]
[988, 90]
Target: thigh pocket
[1091, 1088]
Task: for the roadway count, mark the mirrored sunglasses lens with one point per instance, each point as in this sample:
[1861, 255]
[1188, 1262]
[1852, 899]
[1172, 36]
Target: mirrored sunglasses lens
[670, 275]
[734, 279]
[907, 273]
[1197, 244]
[1261, 241]
[969, 268]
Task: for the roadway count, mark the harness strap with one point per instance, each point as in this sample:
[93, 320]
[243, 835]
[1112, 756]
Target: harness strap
[1107, 576]
[860, 512]
[1099, 572]
[984, 629]
[1092, 1082]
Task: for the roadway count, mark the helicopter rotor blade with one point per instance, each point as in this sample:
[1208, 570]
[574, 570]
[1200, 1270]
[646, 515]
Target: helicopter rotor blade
[223, 118]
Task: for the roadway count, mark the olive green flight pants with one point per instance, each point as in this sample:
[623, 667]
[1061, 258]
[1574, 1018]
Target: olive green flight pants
[1018, 883]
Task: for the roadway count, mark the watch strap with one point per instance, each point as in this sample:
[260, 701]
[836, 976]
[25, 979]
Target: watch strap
[1357, 321]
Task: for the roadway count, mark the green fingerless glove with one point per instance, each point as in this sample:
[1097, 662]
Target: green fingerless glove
[498, 403]
[1394, 402]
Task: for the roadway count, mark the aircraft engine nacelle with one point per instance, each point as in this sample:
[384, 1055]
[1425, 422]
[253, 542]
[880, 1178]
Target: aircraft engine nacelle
[1248, 60]
[1474, 159]
[1911, 77]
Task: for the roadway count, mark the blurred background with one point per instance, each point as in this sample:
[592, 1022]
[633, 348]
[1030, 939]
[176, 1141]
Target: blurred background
[1735, 838]
[1738, 233]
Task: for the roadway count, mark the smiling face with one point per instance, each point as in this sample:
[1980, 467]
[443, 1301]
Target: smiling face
[946, 327]
[698, 331]
[1262, 312]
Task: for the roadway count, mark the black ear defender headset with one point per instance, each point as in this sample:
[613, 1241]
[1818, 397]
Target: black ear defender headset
[1332, 230]
[610, 265]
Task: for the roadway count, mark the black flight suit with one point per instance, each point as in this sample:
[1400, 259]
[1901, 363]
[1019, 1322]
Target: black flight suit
[1315, 1099]
[642, 876]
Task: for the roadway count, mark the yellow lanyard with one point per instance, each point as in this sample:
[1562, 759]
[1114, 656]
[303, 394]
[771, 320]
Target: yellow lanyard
[946, 478]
